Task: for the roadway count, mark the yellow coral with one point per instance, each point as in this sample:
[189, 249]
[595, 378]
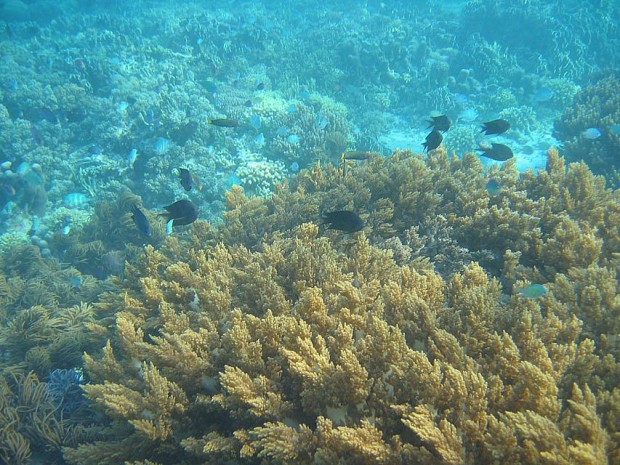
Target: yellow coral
[441, 439]
[281, 341]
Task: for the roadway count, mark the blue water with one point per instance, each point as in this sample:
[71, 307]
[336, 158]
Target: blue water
[103, 101]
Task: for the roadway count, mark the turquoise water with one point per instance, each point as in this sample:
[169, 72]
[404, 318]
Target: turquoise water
[101, 104]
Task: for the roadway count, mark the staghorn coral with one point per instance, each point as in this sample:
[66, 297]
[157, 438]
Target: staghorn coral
[318, 350]
[560, 217]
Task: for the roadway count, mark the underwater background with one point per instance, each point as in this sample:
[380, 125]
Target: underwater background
[302, 232]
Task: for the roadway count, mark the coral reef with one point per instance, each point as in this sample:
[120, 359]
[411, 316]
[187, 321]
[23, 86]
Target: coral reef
[528, 216]
[263, 336]
[110, 231]
[31, 421]
[558, 38]
[284, 344]
[596, 106]
[259, 176]
[522, 118]
[462, 139]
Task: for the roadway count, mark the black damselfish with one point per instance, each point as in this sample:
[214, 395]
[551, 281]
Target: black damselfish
[498, 152]
[343, 220]
[186, 178]
[433, 140]
[182, 212]
[497, 126]
[141, 221]
[439, 123]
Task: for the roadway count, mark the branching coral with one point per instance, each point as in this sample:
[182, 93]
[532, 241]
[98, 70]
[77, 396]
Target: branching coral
[561, 217]
[314, 349]
[30, 420]
[596, 106]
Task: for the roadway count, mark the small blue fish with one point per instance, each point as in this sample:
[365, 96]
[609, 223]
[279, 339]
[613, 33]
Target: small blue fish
[232, 180]
[36, 224]
[461, 99]
[543, 94]
[122, 107]
[161, 146]
[76, 281]
[321, 121]
[592, 133]
[75, 200]
[294, 167]
[150, 118]
[292, 108]
[131, 157]
[255, 121]
[304, 95]
[23, 168]
[8, 208]
[493, 187]
[293, 139]
[259, 140]
[468, 115]
[282, 131]
[533, 291]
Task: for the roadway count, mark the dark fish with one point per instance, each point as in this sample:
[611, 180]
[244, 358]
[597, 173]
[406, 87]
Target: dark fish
[80, 65]
[433, 140]
[142, 222]
[224, 122]
[75, 115]
[497, 126]
[186, 178]
[439, 123]
[343, 220]
[499, 152]
[248, 103]
[260, 86]
[357, 155]
[37, 136]
[47, 115]
[182, 212]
